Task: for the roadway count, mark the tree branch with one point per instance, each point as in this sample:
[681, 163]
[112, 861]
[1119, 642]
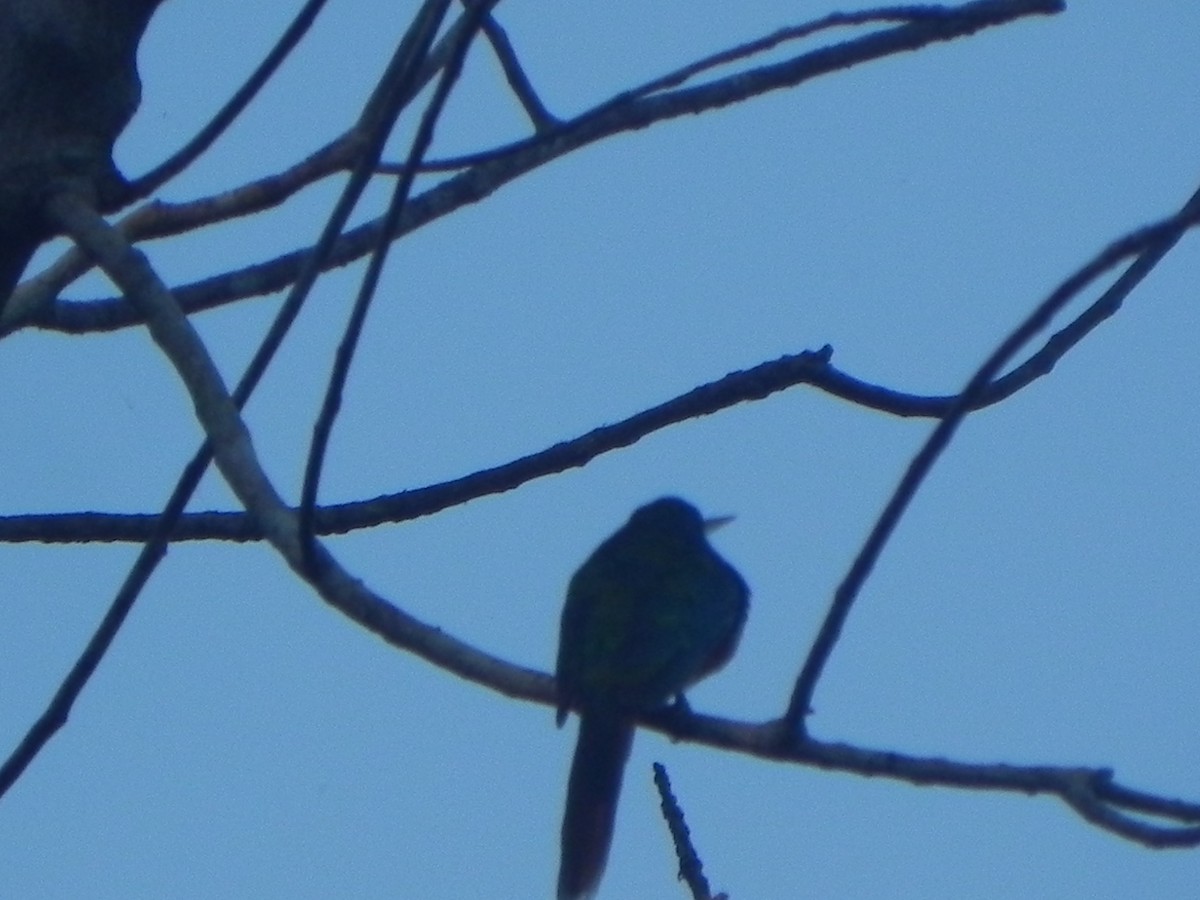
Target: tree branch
[628, 111]
[323, 427]
[1159, 235]
[812, 368]
[400, 507]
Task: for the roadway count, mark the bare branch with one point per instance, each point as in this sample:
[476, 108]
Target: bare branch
[1091, 792]
[756, 383]
[628, 111]
[33, 301]
[225, 117]
[691, 869]
[323, 427]
[75, 216]
[522, 88]
[158, 218]
[810, 368]
[1160, 235]
[228, 440]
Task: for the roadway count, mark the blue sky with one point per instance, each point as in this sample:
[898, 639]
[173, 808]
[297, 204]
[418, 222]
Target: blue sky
[1038, 603]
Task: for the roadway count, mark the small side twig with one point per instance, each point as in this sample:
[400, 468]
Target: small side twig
[691, 869]
[514, 73]
[323, 427]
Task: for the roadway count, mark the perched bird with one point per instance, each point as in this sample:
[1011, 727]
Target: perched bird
[653, 610]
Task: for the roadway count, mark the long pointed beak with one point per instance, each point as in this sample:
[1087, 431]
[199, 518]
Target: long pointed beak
[711, 525]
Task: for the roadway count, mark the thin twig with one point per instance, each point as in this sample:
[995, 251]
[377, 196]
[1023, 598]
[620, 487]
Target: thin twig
[755, 383]
[175, 334]
[1159, 234]
[509, 163]
[161, 219]
[514, 73]
[691, 869]
[400, 507]
[323, 426]
[155, 178]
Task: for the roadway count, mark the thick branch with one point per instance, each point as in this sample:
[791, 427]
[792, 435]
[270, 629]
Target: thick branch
[68, 86]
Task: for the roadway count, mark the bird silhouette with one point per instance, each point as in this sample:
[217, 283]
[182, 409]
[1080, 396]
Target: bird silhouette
[653, 610]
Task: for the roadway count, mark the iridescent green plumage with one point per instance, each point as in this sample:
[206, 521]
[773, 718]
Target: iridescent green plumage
[653, 610]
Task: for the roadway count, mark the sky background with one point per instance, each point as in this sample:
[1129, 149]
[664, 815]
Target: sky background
[1038, 604]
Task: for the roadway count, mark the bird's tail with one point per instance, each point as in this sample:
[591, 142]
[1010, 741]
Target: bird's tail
[592, 791]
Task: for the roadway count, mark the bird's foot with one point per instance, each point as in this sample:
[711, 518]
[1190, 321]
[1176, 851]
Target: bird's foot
[678, 712]
[680, 706]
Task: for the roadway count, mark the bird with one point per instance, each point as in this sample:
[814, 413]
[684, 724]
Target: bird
[652, 611]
